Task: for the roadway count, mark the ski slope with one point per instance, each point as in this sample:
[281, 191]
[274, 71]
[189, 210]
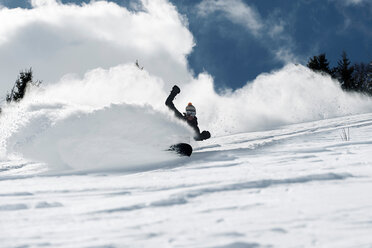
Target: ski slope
[298, 185]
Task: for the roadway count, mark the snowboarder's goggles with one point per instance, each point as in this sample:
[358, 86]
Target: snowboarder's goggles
[190, 113]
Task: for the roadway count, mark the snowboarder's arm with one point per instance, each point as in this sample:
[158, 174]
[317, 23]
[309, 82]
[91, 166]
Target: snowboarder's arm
[199, 135]
[169, 102]
[202, 136]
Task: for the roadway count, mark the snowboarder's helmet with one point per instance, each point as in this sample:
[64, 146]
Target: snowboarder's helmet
[190, 110]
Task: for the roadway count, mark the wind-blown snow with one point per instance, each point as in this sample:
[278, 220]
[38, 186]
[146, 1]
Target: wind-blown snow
[103, 122]
[293, 94]
[117, 119]
[116, 137]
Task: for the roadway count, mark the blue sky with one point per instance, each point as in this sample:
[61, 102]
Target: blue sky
[230, 52]
[237, 40]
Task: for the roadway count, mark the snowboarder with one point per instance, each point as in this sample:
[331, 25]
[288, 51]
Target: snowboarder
[189, 116]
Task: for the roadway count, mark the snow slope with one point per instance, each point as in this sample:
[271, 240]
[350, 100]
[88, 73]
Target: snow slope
[84, 163]
[299, 185]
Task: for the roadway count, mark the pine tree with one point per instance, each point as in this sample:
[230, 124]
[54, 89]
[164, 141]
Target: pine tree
[320, 64]
[368, 84]
[360, 75]
[20, 86]
[313, 63]
[344, 72]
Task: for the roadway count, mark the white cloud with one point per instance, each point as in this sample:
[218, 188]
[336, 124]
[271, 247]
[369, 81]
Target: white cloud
[57, 39]
[271, 31]
[277, 29]
[235, 10]
[353, 2]
[285, 55]
[39, 3]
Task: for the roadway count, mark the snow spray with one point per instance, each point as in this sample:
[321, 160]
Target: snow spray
[116, 118]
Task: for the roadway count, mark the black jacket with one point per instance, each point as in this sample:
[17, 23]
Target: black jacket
[193, 123]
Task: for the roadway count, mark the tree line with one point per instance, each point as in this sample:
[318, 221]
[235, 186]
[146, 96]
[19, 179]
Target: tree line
[356, 77]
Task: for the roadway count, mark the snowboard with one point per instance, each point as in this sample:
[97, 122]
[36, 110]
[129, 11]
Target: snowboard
[181, 149]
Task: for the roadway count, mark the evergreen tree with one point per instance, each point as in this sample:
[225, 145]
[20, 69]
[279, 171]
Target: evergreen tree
[20, 86]
[320, 64]
[360, 75]
[344, 72]
[313, 63]
[368, 83]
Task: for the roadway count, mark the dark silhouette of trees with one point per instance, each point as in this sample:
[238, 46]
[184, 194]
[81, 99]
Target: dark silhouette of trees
[320, 64]
[367, 86]
[357, 77]
[344, 72]
[360, 76]
[20, 86]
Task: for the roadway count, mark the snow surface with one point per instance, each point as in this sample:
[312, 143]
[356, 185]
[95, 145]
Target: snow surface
[296, 186]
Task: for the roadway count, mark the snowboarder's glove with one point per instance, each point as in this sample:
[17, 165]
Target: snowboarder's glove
[175, 90]
[205, 135]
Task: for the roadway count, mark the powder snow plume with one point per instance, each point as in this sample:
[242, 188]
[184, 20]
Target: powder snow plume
[116, 118]
[293, 94]
[111, 119]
